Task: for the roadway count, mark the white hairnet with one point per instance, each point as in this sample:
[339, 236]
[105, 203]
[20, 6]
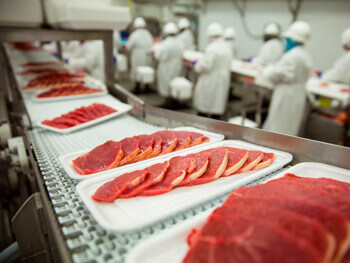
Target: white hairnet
[183, 23]
[139, 22]
[345, 38]
[272, 29]
[214, 30]
[229, 33]
[299, 31]
[170, 28]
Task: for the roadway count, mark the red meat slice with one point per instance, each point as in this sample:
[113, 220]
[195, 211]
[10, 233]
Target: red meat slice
[103, 109]
[217, 165]
[130, 149]
[169, 141]
[183, 140]
[298, 225]
[101, 158]
[84, 114]
[89, 112]
[265, 161]
[335, 222]
[244, 239]
[146, 147]
[196, 138]
[179, 167]
[254, 158]
[74, 116]
[202, 162]
[111, 190]
[156, 175]
[55, 125]
[157, 146]
[236, 159]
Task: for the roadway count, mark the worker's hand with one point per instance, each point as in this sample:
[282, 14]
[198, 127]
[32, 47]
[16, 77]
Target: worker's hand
[66, 60]
[194, 62]
[318, 73]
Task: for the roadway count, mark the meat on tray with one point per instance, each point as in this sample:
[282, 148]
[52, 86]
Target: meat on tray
[68, 91]
[44, 71]
[142, 147]
[80, 116]
[54, 81]
[291, 219]
[189, 170]
[42, 63]
[24, 46]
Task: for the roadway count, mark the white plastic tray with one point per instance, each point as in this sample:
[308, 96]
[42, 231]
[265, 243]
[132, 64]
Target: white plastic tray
[171, 245]
[125, 215]
[66, 160]
[120, 107]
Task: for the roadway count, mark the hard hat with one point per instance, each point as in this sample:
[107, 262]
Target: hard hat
[183, 23]
[170, 28]
[214, 30]
[272, 29]
[139, 22]
[345, 38]
[229, 33]
[299, 32]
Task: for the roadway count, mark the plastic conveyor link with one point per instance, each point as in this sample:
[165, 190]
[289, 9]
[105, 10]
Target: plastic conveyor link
[86, 240]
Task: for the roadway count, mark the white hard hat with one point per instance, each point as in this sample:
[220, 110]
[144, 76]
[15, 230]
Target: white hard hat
[299, 31]
[170, 28]
[272, 29]
[183, 23]
[139, 22]
[229, 33]
[345, 38]
[214, 30]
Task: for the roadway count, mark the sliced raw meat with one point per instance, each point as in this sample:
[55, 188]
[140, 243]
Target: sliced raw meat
[298, 225]
[335, 222]
[101, 158]
[130, 149]
[179, 167]
[157, 146]
[43, 71]
[104, 109]
[183, 140]
[156, 175]
[196, 138]
[68, 91]
[236, 159]
[111, 190]
[202, 162]
[254, 158]
[56, 125]
[217, 165]
[77, 117]
[244, 239]
[169, 141]
[146, 147]
[265, 161]
[43, 63]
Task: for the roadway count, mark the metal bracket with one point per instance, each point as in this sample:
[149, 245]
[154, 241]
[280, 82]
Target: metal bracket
[18, 154]
[30, 228]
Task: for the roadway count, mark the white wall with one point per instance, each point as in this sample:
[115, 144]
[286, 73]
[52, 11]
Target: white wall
[327, 18]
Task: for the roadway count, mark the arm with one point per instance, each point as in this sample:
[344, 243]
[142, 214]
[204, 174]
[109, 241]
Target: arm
[205, 64]
[283, 71]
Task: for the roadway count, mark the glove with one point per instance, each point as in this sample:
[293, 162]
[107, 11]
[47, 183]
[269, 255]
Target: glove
[194, 62]
[66, 60]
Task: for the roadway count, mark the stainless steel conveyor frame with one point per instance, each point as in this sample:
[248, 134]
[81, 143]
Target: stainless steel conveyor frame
[54, 243]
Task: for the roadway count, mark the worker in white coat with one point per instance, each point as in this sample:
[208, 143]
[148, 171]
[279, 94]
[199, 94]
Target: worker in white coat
[212, 88]
[229, 36]
[169, 56]
[272, 49]
[185, 34]
[289, 75]
[139, 44]
[340, 72]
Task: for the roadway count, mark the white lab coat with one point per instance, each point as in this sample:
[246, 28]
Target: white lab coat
[91, 59]
[212, 88]
[270, 52]
[233, 46]
[187, 40]
[169, 55]
[340, 71]
[288, 102]
[139, 43]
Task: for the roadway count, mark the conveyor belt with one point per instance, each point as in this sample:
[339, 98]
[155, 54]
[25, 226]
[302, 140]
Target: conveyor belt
[86, 240]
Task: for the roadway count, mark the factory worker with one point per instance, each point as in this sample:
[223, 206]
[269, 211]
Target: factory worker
[289, 75]
[185, 34]
[212, 88]
[89, 58]
[229, 36]
[139, 44]
[341, 69]
[272, 49]
[169, 55]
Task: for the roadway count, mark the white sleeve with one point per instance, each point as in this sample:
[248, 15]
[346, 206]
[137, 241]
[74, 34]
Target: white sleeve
[283, 71]
[205, 63]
